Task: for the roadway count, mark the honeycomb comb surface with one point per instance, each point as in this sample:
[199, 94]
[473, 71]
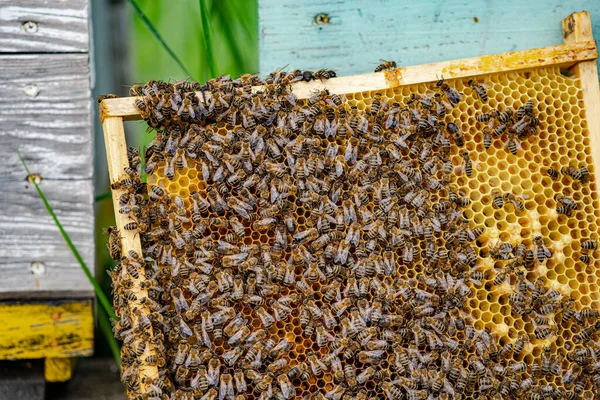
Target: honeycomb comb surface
[561, 140]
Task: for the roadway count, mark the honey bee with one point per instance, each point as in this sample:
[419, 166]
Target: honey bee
[451, 94]
[541, 251]
[512, 144]
[515, 200]
[552, 173]
[324, 74]
[479, 89]
[385, 65]
[114, 243]
[467, 165]
[456, 134]
[497, 199]
[581, 174]
[371, 356]
[589, 245]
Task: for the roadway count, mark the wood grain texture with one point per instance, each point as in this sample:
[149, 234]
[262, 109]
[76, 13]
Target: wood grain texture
[418, 32]
[28, 234]
[578, 28]
[60, 26]
[45, 113]
[48, 329]
[564, 55]
[116, 156]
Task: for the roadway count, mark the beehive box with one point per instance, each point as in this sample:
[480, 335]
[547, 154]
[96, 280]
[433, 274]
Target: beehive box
[561, 99]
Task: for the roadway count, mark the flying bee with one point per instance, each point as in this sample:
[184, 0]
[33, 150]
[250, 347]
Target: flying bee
[451, 94]
[479, 89]
[385, 65]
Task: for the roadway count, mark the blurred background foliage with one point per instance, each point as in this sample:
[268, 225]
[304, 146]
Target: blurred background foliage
[234, 28]
[234, 35]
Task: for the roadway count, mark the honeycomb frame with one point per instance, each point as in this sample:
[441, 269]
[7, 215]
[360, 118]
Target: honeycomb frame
[489, 175]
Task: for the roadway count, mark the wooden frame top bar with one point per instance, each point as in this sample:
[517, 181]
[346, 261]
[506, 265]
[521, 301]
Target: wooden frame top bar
[563, 55]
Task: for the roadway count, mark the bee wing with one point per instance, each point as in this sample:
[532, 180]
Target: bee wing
[185, 329]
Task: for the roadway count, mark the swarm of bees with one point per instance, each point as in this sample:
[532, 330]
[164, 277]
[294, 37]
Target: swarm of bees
[346, 201]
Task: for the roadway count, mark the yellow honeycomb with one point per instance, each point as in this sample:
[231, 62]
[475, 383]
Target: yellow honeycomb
[561, 140]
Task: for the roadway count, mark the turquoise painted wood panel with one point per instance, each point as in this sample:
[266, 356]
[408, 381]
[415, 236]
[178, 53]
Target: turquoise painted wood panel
[360, 32]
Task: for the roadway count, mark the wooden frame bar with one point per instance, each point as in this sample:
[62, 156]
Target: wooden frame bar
[116, 154]
[565, 55]
[579, 53]
[577, 28]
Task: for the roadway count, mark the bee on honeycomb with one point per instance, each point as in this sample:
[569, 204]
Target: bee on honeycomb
[409, 243]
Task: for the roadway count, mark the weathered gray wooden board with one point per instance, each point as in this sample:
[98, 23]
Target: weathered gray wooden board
[41, 26]
[45, 113]
[52, 127]
[361, 32]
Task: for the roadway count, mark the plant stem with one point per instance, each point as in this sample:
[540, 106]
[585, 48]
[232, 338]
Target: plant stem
[106, 328]
[104, 196]
[99, 293]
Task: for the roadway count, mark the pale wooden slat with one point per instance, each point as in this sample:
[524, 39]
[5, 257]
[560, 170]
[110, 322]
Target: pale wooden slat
[577, 28]
[28, 234]
[61, 26]
[116, 154]
[554, 55]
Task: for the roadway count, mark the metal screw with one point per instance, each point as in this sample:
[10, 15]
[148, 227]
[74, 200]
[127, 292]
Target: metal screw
[31, 90]
[321, 19]
[38, 268]
[30, 26]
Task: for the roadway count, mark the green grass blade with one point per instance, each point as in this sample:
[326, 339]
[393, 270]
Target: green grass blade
[99, 293]
[106, 328]
[158, 37]
[208, 44]
[221, 12]
[104, 196]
